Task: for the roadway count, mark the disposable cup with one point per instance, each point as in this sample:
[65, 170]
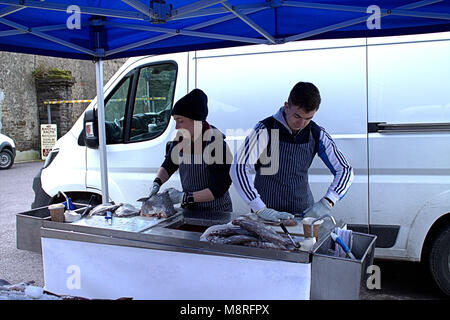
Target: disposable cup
[57, 212]
[307, 227]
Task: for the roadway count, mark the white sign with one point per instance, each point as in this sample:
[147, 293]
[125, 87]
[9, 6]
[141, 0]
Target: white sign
[48, 139]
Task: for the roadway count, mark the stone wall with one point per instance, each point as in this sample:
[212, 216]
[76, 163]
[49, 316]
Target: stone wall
[61, 114]
[19, 114]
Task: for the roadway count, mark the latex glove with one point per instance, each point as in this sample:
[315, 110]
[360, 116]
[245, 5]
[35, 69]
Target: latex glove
[175, 195]
[273, 215]
[318, 209]
[154, 190]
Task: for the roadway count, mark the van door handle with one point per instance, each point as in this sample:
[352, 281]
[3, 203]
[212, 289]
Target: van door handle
[383, 127]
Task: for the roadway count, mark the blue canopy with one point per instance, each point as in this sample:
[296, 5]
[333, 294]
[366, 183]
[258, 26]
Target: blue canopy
[110, 29]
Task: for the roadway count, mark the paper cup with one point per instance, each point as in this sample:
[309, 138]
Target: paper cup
[307, 227]
[57, 212]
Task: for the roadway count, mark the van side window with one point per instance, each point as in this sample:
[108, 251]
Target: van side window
[153, 101]
[114, 113]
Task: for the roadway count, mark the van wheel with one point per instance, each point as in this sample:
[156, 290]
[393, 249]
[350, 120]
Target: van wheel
[439, 259]
[6, 159]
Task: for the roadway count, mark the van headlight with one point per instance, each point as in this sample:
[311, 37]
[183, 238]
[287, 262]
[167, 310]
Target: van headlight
[51, 156]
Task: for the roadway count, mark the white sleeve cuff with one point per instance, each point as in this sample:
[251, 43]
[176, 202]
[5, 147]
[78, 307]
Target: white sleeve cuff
[256, 204]
[333, 196]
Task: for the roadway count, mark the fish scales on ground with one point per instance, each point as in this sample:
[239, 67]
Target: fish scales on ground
[101, 209]
[158, 205]
[265, 233]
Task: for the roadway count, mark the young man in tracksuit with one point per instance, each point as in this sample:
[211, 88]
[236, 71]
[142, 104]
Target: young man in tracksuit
[201, 157]
[290, 132]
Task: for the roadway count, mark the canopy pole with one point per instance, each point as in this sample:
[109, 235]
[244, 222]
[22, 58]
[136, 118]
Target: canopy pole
[101, 130]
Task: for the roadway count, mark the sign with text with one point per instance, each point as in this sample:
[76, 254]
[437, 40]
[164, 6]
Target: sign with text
[48, 139]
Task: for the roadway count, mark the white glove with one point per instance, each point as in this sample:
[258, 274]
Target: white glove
[175, 195]
[273, 215]
[154, 190]
[318, 209]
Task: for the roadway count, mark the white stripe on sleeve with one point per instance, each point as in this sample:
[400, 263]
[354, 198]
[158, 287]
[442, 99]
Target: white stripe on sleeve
[244, 161]
[338, 165]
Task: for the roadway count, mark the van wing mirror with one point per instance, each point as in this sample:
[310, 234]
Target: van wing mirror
[91, 129]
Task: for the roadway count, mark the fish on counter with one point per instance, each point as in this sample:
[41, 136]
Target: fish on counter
[239, 239]
[265, 233]
[286, 222]
[158, 205]
[267, 245]
[121, 210]
[224, 230]
[126, 210]
[101, 209]
[248, 232]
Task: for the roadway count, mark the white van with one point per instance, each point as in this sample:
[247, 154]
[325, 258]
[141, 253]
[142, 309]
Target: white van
[385, 101]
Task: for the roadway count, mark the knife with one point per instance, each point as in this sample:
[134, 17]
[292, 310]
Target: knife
[89, 206]
[289, 235]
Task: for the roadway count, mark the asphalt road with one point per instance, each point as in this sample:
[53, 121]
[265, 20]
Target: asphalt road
[399, 280]
[16, 195]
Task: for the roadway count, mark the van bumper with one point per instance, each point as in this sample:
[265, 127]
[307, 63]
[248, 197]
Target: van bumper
[41, 199]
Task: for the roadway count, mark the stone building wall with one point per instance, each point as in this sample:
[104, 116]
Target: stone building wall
[19, 114]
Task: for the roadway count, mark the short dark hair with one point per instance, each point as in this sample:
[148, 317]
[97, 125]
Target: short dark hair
[305, 95]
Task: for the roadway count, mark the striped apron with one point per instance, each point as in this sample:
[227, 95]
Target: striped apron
[288, 189]
[195, 177]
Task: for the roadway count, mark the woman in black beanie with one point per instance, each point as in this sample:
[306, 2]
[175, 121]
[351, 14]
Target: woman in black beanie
[202, 157]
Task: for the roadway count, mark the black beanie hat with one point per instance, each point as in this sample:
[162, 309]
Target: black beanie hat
[194, 105]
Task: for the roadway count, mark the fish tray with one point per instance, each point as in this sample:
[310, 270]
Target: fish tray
[336, 278]
[28, 227]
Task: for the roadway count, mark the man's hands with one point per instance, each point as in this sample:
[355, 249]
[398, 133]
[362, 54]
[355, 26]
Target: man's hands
[273, 215]
[323, 206]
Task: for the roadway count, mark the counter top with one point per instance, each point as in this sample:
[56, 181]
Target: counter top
[165, 234]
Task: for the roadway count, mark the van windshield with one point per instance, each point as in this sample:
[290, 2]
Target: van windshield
[153, 101]
[114, 112]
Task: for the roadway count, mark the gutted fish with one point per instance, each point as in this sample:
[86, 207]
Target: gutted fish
[286, 222]
[264, 232]
[214, 239]
[223, 230]
[266, 245]
[101, 209]
[248, 232]
[239, 239]
[158, 205]
[126, 210]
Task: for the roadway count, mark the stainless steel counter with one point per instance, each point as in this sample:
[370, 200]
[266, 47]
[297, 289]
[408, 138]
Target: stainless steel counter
[166, 234]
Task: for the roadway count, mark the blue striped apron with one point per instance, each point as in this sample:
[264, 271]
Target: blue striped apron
[288, 189]
[195, 177]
